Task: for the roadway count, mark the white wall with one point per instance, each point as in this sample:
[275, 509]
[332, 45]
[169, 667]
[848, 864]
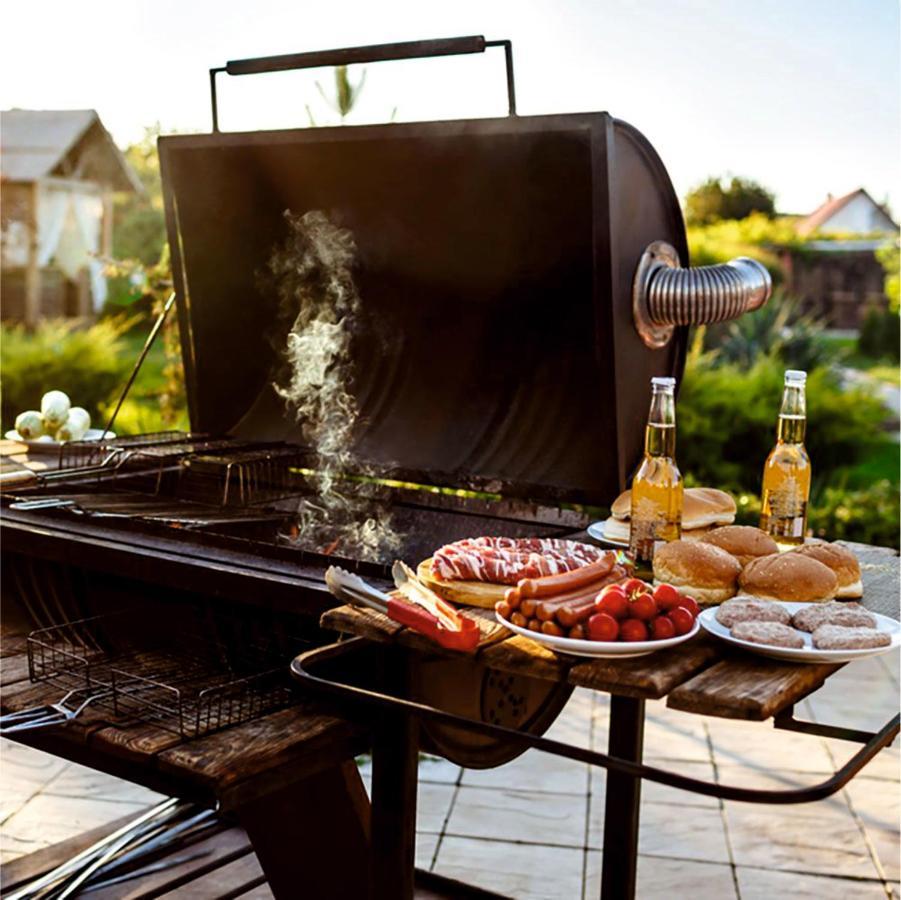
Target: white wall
[859, 216]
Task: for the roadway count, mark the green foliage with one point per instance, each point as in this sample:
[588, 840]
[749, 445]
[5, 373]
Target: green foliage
[889, 255]
[779, 330]
[713, 200]
[85, 362]
[346, 94]
[879, 335]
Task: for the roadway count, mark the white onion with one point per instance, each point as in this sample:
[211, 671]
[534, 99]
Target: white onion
[30, 425]
[75, 426]
[54, 409]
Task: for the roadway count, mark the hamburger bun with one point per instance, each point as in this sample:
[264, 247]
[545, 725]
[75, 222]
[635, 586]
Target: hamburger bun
[788, 576]
[742, 541]
[702, 571]
[702, 508]
[617, 530]
[842, 562]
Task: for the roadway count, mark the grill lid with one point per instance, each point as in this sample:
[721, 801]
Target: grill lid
[492, 343]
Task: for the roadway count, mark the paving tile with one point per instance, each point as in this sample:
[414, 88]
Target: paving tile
[523, 871]
[79, 781]
[432, 804]
[533, 771]
[668, 879]
[46, 819]
[668, 734]
[878, 805]
[13, 797]
[674, 831]
[764, 884]
[886, 765]
[21, 765]
[757, 745]
[518, 816]
[434, 768]
[573, 725]
[895, 889]
[425, 849]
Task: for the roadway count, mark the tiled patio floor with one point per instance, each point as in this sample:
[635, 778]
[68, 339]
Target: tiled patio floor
[533, 828]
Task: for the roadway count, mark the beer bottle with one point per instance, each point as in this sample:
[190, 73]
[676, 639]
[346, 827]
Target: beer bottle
[786, 473]
[656, 513]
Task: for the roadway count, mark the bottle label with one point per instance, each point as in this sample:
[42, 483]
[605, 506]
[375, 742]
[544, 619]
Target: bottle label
[787, 501]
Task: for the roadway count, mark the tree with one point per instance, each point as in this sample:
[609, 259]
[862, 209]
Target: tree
[711, 201]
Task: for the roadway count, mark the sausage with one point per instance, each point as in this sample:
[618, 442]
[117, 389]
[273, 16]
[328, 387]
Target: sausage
[546, 608]
[578, 610]
[534, 625]
[567, 581]
[551, 628]
[511, 595]
[502, 608]
[577, 633]
[518, 619]
[529, 606]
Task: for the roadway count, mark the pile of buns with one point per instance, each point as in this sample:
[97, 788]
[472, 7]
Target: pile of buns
[736, 559]
[702, 510]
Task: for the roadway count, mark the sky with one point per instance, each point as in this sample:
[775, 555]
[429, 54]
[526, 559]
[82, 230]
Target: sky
[803, 96]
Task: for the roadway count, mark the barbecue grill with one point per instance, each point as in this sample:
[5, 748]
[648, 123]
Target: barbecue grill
[393, 337]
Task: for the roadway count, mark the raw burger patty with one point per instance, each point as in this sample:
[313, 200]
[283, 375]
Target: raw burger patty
[838, 637]
[750, 609]
[851, 615]
[774, 634]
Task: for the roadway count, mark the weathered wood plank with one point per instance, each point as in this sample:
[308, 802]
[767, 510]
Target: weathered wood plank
[747, 687]
[525, 657]
[650, 677]
[13, 669]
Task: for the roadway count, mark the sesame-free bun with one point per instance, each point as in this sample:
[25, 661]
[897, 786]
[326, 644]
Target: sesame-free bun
[743, 541]
[788, 576]
[618, 530]
[842, 562]
[701, 508]
[700, 570]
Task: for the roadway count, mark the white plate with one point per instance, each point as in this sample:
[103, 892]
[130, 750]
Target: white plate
[47, 444]
[808, 653]
[598, 649]
[597, 531]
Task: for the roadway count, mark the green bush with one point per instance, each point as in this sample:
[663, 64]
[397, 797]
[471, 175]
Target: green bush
[879, 335]
[85, 362]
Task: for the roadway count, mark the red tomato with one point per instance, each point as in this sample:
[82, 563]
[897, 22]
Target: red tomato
[602, 627]
[614, 603]
[682, 619]
[667, 597]
[643, 607]
[662, 628]
[633, 630]
[691, 605]
[635, 586]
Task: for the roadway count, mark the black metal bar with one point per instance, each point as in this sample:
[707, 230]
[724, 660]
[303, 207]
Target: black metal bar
[395, 758]
[786, 720]
[364, 699]
[623, 801]
[508, 61]
[214, 102]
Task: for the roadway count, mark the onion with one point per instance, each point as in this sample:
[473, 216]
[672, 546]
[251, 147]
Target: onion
[30, 425]
[75, 426]
[54, 409]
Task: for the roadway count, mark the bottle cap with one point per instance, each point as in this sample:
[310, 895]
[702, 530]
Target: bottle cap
[795, 376]
[663, 383]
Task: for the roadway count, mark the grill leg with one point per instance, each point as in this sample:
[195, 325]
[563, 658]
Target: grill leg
[395, 758]
[623, 801]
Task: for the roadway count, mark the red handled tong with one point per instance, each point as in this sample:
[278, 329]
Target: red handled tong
[422, 610]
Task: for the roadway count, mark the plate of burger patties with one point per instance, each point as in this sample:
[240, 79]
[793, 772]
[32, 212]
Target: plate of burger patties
[800, 605]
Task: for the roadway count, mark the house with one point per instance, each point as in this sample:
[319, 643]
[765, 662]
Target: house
[58, 172]
[856, 213]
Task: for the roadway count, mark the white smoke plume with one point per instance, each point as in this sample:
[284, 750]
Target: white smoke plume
[312, 272]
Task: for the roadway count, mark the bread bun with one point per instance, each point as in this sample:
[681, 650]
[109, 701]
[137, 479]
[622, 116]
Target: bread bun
[701, 508]
[742, 541]
[842, 562]
[703, 571]
[788, 576]
[617, 530]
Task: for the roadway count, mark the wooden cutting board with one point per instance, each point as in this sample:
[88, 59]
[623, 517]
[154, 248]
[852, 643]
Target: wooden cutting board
[467, 593]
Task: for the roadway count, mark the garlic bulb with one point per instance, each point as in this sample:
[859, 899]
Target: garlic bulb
[54, 409]
[30, 425]
[75, 426]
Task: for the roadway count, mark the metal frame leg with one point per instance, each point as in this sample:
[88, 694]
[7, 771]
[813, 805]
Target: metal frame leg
[621, 808]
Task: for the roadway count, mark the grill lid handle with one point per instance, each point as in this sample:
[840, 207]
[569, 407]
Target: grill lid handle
[373, 53]
[664, 294]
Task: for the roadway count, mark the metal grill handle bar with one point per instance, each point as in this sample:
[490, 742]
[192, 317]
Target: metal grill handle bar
[301, 669]
[346, 56]
[666, 295]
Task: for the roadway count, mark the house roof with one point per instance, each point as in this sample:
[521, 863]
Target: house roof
[827, 210]
[33, 144]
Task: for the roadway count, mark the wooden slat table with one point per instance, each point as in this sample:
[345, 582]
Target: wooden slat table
[703, 676]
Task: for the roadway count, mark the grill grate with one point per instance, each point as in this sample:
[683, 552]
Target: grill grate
[190, 683]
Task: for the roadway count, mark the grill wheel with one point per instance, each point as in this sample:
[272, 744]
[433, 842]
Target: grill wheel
[515, 701]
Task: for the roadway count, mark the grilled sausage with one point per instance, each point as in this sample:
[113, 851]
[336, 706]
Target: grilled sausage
[551, 628]
[546, 609]
[511, 595]
[518, 619]
[577, 633]
[567, 581]
[577, 611]
[502, 608]
[534, 625]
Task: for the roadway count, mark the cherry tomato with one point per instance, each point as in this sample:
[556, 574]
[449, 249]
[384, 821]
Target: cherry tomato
[682, 619]
[614, 603]
[633, 630]
[691, 605]
[643, 607]
[635, 586]
[662, 628]
[602, 627]
[667, 597]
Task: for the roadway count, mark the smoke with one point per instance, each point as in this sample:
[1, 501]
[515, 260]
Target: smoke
[312, 272]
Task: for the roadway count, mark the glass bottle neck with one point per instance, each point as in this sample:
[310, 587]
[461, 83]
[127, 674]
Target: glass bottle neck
[792, 416]
[660, 435]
